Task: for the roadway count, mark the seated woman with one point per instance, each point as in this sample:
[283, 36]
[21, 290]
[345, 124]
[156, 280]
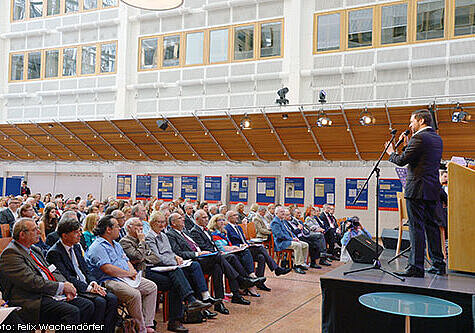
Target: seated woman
[48, 221]
[313, 223]
[220, 238]
[90, 222]
[143, 257]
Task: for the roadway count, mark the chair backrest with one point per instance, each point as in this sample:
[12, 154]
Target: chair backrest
[5, 229]
[4, 243]
[244, 229]
[251, 230]
[401, 204]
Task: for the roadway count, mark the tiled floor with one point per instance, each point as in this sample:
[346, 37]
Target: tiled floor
[293, 305]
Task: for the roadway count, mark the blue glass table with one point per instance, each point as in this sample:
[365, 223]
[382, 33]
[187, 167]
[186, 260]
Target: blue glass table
[410, 305]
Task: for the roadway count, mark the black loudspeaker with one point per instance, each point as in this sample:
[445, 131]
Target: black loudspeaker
[361, 249]
[389, 237]
[162, 124]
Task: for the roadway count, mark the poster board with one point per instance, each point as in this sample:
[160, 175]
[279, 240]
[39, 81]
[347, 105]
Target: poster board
[124, 186]
[265, 190]
[213, 185]
[352, 186]
[294, 191]
[238, 189]
[165, 188]
[323, 191]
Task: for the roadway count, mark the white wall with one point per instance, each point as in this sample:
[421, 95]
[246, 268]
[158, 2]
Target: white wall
[100, 179]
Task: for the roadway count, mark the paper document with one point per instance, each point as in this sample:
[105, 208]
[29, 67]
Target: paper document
[186, 263]
[5, 312]
[133, 283]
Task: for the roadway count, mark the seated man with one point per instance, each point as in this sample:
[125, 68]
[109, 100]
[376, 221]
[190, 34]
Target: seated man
[184, 246]
[285, 239]
[109, 264]
[262, 226]
[28, 282]
[258, 252]
[8, 215]
[53, 237]
[332, 232]
[67, 256]
[143, 259]
[353, 228]
[237, 278]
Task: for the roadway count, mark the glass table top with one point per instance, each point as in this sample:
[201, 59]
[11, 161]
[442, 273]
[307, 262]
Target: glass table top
[410, 305]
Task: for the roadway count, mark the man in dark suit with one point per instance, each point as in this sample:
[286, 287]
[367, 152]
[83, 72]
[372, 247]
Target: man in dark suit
[189, 219]
[237, 279]
[422, 155]
[67, 256]
[28, 282]
[184, 246]
[332, 235]
[7, 216]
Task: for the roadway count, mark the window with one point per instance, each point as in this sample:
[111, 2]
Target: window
[69, 61]
[148, 53]
[218, 45]
[16, 67]
[34, 65]
[88, 59]
[464, 17]
[108, 54]
[244, 42]
[52, 7]
[271, 34]
[194, 48]
[51, 63]
[328, 32]
[430, 19]
[36, 8]
[18, 10]
[360, 28]
[171, 51]
[109, 3]
[89, 4]
[71, 6]
[394, 24]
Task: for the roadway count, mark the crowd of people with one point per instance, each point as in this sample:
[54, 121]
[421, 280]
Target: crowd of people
[74, 261]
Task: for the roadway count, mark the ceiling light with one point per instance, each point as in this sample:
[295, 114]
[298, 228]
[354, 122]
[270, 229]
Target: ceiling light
[366, 117]
[323, 120]
[162, 124]
[322, 97]
[459, 115]
[285, 116]
[154, 4]
[282, 100]
[246, 122]
[50, 125]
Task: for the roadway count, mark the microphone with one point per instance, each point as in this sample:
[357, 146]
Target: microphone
[406, 133]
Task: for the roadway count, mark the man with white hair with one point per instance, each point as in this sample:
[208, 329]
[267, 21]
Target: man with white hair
[7, 216]
[285, 239]
[139, 211]
[189, 218]
[120, 217]
[269, 216]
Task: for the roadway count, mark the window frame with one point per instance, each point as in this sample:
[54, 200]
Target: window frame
[27, 12]
[139, 54]
[161, 50]
[10, 67]
[99, 58]
[259, 36]
[379, 17]
[27, 61]
[43, 69]
[254, 41]
[343, 28]
[447, 24]
[208, 45]
[373, 26]
[79, 56]
[452, 21]
[185, 34]
[25, 15]
[61, 5]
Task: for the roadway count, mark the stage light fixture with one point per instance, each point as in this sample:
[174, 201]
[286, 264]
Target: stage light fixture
[323, 120]
[322, 97]
[246, 122]
[162, 124]
[459, 115]
[154, 4]
[285, 116]
[282, 100]
[367, 118]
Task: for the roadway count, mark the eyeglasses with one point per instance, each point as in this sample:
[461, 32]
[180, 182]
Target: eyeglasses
[220, 219]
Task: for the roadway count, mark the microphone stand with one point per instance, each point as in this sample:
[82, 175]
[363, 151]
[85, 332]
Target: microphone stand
[376, 170]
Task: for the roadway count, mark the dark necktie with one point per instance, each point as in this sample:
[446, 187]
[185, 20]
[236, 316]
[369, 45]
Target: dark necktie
[45, 270]
[190, 243]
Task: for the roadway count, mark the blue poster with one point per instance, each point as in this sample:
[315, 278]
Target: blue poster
[324, 191]
[387, 193]
[124, 186]
[143, 188]
[189, 187]
[353, 185]
[238, 189]
[265, 190]
[294, 188]
[1, 186]
[165, 188]
[213, 188]
[13, 186]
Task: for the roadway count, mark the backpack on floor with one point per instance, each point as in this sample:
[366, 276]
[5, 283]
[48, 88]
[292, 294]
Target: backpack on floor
[193, 317]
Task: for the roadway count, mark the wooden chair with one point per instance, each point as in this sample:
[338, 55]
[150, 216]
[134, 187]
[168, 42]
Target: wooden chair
[4, 243]
[164, 296]
[269, 243]
[280, 255]
[244, 229]
[402, 211]
[5, 229]
[251, 230]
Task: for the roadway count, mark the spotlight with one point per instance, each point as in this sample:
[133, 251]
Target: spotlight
[459, 115]
[323, 120]
[285, 116]
[366, 117]
[282, 100]
[162, 124]
[322, 97]
[246, 122]
[50, 125]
